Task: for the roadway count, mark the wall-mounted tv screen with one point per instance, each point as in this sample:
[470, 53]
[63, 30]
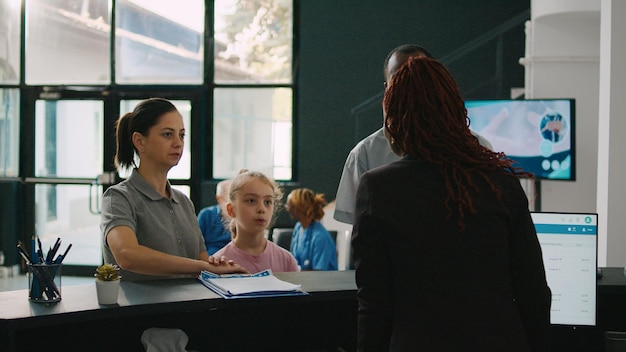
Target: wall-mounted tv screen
[538, 134]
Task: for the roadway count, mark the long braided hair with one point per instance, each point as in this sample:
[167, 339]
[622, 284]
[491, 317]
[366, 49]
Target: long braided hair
[426, 118]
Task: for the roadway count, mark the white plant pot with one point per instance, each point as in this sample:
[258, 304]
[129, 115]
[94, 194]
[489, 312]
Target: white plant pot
[107, 291]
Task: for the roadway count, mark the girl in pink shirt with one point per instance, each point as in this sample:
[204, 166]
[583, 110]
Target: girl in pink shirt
[254, 200]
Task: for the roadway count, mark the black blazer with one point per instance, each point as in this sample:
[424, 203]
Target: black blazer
[423, 284]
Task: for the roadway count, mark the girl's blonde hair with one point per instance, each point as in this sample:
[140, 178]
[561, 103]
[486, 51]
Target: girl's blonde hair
[307, 201]
[243, 178]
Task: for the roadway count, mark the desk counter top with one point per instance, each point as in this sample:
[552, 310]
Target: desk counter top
[184, 292]
[323, 320]
[326, 318]
[612, 279]
[82, 298]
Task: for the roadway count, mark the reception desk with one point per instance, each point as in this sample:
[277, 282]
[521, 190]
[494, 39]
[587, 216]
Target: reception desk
[323, 320]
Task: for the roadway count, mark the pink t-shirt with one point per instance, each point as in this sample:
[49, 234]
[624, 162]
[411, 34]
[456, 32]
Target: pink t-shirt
[273, 257]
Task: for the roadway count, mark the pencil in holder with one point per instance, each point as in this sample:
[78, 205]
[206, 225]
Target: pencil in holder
[44, 282]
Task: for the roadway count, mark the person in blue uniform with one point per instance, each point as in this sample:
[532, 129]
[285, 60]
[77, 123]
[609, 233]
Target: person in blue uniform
[211, 220]
[311, 243]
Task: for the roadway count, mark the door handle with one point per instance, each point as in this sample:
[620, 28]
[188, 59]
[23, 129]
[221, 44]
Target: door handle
[105, 179]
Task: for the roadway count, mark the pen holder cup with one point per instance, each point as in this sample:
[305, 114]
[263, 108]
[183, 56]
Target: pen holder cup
[44, 282]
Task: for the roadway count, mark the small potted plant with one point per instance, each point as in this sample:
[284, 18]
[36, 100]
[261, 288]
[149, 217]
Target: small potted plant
[107, 283]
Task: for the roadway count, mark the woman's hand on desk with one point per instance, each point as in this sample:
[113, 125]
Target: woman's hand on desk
[132, 256]
[221, 265]
[219, 260]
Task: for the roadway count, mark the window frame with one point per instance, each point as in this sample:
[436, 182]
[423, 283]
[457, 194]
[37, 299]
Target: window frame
[200, 96]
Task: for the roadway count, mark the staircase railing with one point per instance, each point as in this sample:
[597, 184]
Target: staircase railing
[496, 33]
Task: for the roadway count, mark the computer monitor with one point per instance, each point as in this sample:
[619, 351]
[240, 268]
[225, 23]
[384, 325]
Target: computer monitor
[538, 134]
[569, 247]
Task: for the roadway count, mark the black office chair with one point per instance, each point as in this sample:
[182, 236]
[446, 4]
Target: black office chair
[333, 234]
[282, 237]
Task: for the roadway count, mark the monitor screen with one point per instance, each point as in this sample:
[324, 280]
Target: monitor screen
[569, 246]
[538, 134]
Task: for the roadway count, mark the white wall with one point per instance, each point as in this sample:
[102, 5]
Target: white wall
[611, 196]
[564, 59]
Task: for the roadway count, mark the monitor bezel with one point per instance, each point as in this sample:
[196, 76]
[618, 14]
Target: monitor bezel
[573, 151]
[579, 326]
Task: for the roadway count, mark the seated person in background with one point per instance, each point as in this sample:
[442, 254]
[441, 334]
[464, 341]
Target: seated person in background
[150, 229]
[211, 220]
[311, 243]
[445, 250]
[253, 204]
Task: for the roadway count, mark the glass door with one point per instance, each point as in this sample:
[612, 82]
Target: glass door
[73, 150]
[68, 176]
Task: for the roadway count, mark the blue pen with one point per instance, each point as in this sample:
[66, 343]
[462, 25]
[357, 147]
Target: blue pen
[35, 291]
[60, 257]
[34, 253]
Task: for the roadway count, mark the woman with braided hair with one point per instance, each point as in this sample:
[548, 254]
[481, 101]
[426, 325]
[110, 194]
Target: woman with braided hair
[446, 254]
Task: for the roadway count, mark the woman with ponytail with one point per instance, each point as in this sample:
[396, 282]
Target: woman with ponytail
[150, 229]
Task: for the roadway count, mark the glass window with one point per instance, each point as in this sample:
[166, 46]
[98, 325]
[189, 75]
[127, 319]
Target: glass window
[67, 42]
[252, 129]
[183, 169]
[159, 41]
[68, 138]
[253, 41]
[9, 132]
[185, 189]
[10, 41]
[69, 212]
